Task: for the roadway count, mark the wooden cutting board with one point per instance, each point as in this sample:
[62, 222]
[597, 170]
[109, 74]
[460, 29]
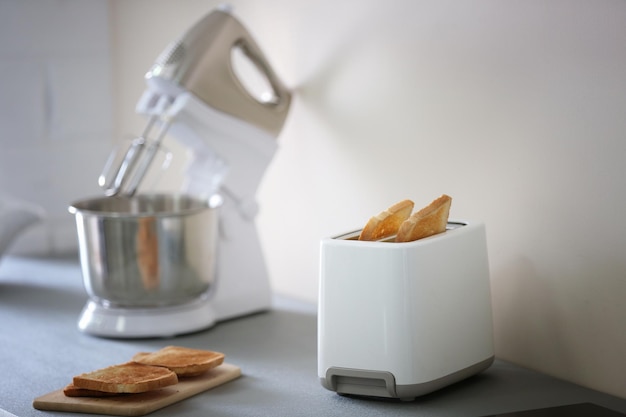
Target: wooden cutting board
[139, 404]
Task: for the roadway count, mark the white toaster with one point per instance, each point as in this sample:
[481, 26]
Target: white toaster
[400, 320]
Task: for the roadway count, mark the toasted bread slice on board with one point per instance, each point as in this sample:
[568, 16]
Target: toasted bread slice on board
[429, 221]
[183, 361]
[386, 223]
[128, 377]
[72, 390]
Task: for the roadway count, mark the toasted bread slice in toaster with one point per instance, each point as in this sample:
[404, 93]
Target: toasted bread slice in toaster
[386, 223]
[429, 221]
[130, 377]
[181, 360]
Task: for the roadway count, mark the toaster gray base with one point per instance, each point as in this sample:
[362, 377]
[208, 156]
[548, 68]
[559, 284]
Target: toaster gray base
[383, 384]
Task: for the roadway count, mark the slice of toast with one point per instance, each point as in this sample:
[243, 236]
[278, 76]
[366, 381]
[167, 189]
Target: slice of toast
[72, 390]
[181, 360]
[386, 223]
[128, 377]
[429, 221]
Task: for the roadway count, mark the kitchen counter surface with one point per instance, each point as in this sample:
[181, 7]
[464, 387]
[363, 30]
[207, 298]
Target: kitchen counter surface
[41, 349]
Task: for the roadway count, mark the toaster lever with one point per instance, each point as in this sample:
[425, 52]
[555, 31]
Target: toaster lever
[360, 382]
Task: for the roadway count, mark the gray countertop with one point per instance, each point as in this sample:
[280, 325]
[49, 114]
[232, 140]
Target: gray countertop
[41, 349]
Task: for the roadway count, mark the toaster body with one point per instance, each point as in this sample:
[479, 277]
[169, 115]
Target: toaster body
[400, 320]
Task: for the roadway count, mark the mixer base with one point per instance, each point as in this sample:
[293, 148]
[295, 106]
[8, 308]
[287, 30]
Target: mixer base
[104, 321]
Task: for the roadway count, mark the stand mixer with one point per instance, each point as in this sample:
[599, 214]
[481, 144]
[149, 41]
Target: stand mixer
[194, 94]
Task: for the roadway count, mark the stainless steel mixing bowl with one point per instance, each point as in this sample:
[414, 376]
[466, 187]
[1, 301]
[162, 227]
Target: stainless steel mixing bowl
[147, 250]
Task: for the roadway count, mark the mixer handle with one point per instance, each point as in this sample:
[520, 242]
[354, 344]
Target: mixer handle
[280, 94]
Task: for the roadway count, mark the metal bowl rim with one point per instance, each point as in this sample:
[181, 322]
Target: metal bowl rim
[199, 205]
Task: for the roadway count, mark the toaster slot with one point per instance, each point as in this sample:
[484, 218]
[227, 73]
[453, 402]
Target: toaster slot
[355, 234]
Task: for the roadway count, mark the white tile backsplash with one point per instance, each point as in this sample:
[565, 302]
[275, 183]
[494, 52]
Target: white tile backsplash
[22, 103]
[53, 28]
[80, 91]
[56, 116]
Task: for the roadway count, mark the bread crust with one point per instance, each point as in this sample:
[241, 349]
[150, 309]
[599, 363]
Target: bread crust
[130, 377]
[183, 361]
[386, 223]
[428, 221]
[72, 390]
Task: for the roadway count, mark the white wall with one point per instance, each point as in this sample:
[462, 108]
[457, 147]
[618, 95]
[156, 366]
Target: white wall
[515, 109]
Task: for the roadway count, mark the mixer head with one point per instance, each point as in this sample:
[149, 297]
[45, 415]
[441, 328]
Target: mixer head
[201, 63]
[226, 115]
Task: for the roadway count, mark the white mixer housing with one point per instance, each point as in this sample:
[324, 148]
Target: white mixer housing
[227, 156]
